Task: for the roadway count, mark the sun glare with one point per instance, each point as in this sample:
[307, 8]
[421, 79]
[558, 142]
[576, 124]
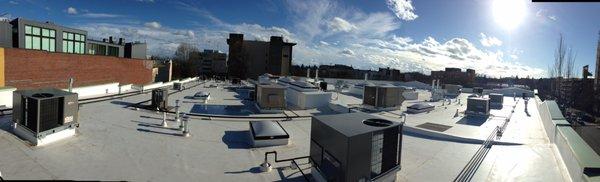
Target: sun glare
[509, 13]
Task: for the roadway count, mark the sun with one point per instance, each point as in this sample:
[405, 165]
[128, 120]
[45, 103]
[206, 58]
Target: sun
[509, 14]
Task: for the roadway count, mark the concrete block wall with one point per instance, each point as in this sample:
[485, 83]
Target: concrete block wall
[27, 69]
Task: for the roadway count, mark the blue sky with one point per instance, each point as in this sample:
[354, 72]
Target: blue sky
[408, 35]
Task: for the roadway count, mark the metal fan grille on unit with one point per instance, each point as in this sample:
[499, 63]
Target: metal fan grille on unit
[42, 95]
[377, 122]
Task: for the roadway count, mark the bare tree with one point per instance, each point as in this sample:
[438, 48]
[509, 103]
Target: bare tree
[184, 50]
[570, 63]
[559, 57]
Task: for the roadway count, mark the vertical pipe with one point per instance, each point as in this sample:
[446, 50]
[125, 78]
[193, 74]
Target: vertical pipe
[71, 80]
[164, 122]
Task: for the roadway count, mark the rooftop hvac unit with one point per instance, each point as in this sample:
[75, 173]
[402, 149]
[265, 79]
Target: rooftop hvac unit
[478, 106]
[496, 98]
[383, 96]
[478, 90]
[160, 99]
[41, 113]
[355, 147]
[178, 86]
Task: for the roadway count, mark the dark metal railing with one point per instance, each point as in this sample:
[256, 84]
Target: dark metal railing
[293, 160]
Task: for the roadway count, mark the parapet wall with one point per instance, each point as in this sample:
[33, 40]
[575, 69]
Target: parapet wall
[26, 69]
[579, 158]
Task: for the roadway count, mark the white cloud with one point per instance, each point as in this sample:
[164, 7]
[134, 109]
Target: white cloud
[371, 42]
[545, 15]
[338, 24]
[71, 11]
[403, 9]
[100, 15]
[13, 2]
[347, 52]
[489, 41]
[152, 24]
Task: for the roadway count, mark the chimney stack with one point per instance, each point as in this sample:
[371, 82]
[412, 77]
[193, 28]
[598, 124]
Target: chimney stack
[121, 41]
[110, 39]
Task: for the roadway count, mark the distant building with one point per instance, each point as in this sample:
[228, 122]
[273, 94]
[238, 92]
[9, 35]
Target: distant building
[137, 50]
[387, 74]
[106, 47]
[251, 58]
[212, 63]
[47, 36]
[455, 76]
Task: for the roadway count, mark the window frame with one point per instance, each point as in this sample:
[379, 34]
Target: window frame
[35, 36]
[74, 43]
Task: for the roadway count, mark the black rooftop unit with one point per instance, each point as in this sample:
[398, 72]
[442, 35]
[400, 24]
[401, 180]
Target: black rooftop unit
[160, 98]
[45, 111]
[355, 147]
[178, 86]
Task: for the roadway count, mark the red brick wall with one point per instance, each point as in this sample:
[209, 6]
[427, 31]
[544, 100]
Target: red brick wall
[26, 69]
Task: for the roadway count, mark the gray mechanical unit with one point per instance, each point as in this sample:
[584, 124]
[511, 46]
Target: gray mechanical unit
[45, 111]
[496, 100]
[478, 106]
[383, 96]
[160, 99]
[355, 147]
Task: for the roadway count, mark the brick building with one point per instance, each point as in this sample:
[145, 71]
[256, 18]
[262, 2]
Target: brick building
[252, 58]
[455, 76]
[210, 63]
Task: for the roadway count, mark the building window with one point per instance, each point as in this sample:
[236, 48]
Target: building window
[40, 38]
[113, 51]
[73, 43]
[97, 49]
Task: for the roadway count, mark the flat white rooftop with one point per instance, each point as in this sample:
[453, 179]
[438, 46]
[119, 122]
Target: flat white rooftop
[117, 143]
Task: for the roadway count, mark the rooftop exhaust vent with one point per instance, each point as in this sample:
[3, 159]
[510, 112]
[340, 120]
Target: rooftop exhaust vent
[377, 122]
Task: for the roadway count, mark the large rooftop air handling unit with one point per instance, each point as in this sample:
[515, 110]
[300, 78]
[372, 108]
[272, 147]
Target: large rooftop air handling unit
[383, 97]
[355, 147]
[45, 115]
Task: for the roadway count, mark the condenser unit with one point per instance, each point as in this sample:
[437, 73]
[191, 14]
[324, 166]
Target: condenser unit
[160, 98]
[478, 106]
[178, 86]
[383, 97]
[44, 114]
[355, 147]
